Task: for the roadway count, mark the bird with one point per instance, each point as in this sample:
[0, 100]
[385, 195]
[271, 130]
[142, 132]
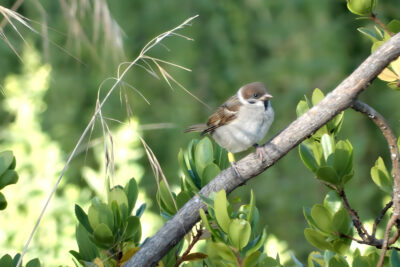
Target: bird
[241, 122]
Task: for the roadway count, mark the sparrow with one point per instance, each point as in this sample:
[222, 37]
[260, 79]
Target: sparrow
[241, 122]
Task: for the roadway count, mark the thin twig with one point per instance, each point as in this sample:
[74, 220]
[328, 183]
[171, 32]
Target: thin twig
[380, 23]
[379, 218]
[391, 139]
[195, 239]
[362, 232]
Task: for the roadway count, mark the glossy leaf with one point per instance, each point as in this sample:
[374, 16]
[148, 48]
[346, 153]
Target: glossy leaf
[333, 202]
[182, 198]
[360, 261]
[341, 221]
[102, 234]
[220, 250]
[87, 250]
[322, 218]
[302, 107]
[309, 219]
[100, 213]
[8, 177]
[328, 174]
[118, 195]
[315, 259]
[194, 256]
[308, 158]
[132, 192]
[132, 227]
[338, 261]
[317, 96]
[394, 258]
[221, 211]
[239, 233]
[316, 239]
[209, 173]
[252, 207]
[251, 260]
[260, 240]
[203, 154]
[207, 224]
[381, 177]
[166, 198]
[83, 218]
[394, 26]
[361, 7]
[343, 162]
[140, 210]
[369, 33]
[328, 146]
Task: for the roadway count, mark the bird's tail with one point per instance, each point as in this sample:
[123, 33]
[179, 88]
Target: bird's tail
[196, 128]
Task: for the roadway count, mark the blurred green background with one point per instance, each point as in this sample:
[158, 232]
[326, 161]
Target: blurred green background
[292, 46]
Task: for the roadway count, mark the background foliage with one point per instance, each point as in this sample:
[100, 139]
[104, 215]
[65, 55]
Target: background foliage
[292, 46]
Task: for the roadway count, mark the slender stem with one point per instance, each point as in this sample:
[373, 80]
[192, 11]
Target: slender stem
[362, 232]
[190, 246]
[380, 23]
[379, 218]
[391, 139]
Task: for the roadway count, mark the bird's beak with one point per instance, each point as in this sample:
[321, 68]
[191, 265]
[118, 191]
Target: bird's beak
[265, 97]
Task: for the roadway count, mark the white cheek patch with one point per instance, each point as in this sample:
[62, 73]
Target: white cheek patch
[239, 95]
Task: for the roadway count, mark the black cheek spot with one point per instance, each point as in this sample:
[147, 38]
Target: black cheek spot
[266, 104]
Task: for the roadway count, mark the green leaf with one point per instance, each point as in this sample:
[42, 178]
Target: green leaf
[239, 233]
[260, 242]
[341, 221]
[207, 224]
[6, 160]
[33, 263]
[394, 26]
[182, 198]
[209, 173]
[87, 249]
[316, 239]
[376, 45]
[343, 162]
[328, 146]
[83, 218]
[333, 202]
[100, 213]
[133, 227]
[166, 198]
[309, 219]
[394, 258]
[8, 177]
[252, 207]
[328, 174]
[220, 250]
[338, 261]
[322, 218]
[317, 96]
[315, 259]
[369, 33]
[140, 210]
[3, 202]
[335, 124]
[102, 234]
[302, 107]
[381, 177]
[203, 154]
[360, 261]
[221, 211]
[361, 7]
[269, 262]
[251, 260]
[118, 195]
[194, 256]
[132, 192]
[308, 158]
[6, 261]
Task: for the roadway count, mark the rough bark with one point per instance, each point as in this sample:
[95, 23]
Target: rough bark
[339, 99]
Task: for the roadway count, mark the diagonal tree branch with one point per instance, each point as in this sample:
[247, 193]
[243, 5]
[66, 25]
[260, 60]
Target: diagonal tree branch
[339, 99]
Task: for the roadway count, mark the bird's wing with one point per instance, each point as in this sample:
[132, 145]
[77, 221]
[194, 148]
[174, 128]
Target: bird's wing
[223, 115]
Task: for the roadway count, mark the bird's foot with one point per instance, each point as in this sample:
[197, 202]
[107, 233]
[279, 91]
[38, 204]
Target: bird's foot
[260, 152]
[232, 161]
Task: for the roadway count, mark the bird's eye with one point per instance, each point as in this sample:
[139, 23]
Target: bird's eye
[255, 95]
